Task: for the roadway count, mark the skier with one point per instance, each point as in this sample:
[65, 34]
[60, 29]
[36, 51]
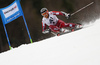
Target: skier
[56, 25]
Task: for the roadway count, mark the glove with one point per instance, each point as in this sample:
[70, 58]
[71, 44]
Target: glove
[67, 15]
[45, 31]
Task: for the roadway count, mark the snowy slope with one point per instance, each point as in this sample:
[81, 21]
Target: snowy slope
[77, 48]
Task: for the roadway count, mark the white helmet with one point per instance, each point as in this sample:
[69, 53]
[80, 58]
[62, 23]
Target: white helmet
[43, 10]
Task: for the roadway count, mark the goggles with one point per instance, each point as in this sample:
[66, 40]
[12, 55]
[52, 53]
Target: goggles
[45, 13]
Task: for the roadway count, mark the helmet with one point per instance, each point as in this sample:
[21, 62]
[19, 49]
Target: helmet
[43, 10]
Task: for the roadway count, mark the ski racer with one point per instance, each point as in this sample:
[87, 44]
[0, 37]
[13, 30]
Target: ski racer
[56, 25]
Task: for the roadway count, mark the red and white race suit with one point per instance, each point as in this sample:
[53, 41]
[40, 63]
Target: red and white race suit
[54, 23]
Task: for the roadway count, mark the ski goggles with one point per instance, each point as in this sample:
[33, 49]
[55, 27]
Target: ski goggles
[45, 13]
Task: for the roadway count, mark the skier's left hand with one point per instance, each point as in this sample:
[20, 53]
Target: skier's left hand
[67, 15]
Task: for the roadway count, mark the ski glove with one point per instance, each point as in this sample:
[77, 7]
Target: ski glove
[67, 15]
[45, 31]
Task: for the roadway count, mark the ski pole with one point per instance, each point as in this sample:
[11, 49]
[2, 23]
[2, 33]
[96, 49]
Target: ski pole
[54, 33]
[82, 8]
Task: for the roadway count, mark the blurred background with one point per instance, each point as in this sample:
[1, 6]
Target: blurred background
[17, 31]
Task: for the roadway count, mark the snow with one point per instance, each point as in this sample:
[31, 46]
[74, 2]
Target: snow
[81, 47]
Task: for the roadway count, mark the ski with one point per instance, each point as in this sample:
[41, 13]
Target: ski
[67, 31]
[61, 33]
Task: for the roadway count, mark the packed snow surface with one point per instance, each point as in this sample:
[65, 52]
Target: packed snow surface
[81, 47]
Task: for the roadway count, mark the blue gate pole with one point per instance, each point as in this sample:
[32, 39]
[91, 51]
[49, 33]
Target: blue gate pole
[2, 16]
[24, 20]
[27, 29]
[7, 37]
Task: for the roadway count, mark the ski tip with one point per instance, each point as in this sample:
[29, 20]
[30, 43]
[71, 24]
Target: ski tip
[72, 30]
[58, 34]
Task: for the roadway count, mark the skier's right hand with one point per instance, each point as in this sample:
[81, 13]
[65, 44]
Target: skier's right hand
[45, 31]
